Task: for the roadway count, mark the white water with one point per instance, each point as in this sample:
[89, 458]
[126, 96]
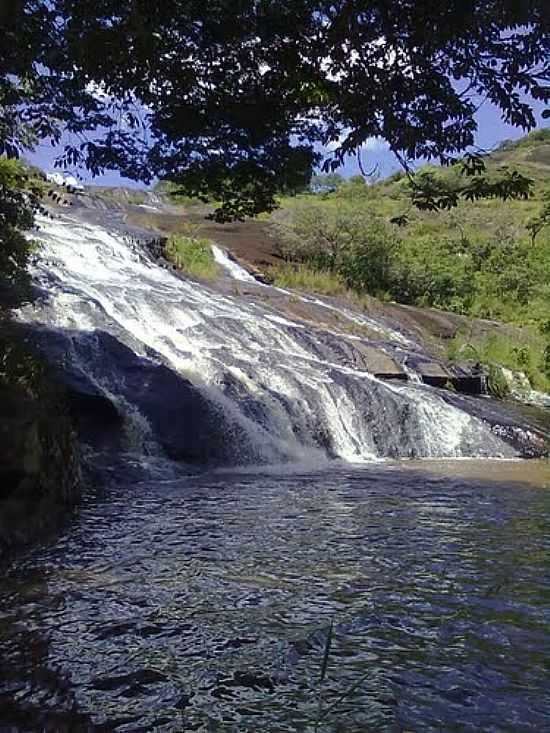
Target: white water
[233, 268]
[521, 390]
[277, 392]
[412, 374]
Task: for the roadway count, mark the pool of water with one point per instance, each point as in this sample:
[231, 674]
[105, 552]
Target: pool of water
[179, 602]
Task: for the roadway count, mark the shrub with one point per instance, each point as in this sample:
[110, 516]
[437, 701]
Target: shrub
[545, 366]
[345, 239]
[433, 271]
[354, 188]
[497, 384]
[367, 265]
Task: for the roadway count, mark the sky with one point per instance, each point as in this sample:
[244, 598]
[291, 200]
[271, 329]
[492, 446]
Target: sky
[491, 131]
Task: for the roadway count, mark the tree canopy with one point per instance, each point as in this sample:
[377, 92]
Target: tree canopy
[232, 99]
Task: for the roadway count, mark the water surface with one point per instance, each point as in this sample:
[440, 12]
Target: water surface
[179, 603]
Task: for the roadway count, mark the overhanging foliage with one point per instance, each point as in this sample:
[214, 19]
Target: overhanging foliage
[229, 98]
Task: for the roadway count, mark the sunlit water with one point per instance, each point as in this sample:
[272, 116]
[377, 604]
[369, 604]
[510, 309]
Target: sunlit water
[178, 603]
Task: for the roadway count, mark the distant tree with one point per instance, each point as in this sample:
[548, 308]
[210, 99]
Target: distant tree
[232, 99]
[355, 187]
[346, 239]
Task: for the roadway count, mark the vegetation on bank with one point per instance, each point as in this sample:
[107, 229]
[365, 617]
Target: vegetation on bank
[485, 259]
[40, 467]
[20, 190]
[306, 277]
[193, 255]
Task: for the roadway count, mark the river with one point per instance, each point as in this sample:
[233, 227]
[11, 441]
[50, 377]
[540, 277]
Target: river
[182, 602]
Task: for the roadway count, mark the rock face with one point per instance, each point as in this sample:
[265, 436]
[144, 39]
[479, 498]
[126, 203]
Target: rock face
[40, 471]
[186, 425]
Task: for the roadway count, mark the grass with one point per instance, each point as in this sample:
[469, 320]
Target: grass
[321, 282]
[192, 255]
[305, 277]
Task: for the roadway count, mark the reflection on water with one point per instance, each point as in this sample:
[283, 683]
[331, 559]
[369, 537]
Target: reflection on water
[180, 603]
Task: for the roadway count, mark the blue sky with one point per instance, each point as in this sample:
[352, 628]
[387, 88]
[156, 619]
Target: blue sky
[491, 131]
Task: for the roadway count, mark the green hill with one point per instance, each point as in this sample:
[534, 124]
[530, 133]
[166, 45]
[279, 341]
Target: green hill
[530, 153]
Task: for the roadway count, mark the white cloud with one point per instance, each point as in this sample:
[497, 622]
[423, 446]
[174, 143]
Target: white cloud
[371, 144]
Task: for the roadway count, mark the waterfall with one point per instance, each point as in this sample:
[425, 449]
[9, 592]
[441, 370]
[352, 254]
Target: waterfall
[223, 374]
[233, 268]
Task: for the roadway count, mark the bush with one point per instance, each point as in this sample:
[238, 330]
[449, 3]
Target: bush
[193, 255]
[497, 384]
[354, 188]
[433, 271]
[19, 367]
[367, 265]
[545, 366]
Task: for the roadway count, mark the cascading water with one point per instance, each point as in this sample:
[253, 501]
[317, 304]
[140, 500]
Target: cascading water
[248, 386]
[233, 268]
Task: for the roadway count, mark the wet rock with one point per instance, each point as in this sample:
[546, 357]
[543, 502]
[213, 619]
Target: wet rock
[40, 468]
[185, 423]
[507, 421]
[469, 379]
[433, 373]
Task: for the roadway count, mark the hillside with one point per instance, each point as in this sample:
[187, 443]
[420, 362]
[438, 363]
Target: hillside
[530, 153]
[259, 242]
[477, 260]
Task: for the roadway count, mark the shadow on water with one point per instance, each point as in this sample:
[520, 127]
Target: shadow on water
[34, 695]
[204, 602]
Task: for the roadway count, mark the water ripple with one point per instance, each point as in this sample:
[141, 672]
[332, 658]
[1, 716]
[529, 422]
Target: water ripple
[204, 603]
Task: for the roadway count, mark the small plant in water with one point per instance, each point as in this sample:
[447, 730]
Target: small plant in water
[324, 667]
[324, 712]
[192, 255]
